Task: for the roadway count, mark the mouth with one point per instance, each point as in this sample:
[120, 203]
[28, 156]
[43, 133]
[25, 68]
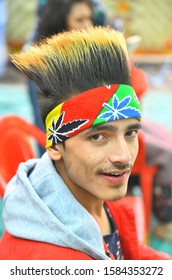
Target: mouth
[116, 173]
[113, 174]
[116, 177]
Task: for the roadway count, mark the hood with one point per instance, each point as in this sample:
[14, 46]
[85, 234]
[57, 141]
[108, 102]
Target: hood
[39, 206]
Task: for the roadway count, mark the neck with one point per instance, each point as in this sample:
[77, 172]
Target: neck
[103, 222]
[92, 204]
[96, 208]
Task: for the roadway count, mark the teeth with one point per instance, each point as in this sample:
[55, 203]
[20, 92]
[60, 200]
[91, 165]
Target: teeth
[115, 174]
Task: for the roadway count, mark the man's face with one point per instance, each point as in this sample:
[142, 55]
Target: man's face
[96, 163]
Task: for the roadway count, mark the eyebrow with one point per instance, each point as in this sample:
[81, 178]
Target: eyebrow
[112, 128]
[134, 126]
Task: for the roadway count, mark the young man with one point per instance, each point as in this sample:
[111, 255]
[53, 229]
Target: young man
[69, 204]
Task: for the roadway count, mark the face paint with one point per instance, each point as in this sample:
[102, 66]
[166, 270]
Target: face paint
[90, 108]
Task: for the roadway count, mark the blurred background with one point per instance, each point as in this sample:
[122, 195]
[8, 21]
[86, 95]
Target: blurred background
[148, 22]
[147, 28]
[149, 19]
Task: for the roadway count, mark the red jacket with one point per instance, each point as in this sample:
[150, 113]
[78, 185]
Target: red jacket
[13, 248]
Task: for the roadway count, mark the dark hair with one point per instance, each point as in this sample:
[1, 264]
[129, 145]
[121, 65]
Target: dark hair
[72, 62]
[54, 17]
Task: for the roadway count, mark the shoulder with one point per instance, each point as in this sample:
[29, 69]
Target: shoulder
[134, 247]
[14, 248]
[122, 204]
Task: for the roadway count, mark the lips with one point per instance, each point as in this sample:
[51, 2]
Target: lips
[116, 177]
[113, 174]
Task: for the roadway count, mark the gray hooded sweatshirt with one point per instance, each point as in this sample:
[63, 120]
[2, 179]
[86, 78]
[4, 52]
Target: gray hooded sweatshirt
[39, 206]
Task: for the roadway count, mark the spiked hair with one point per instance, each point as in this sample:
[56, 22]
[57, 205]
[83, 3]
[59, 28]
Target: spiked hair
[75, 61]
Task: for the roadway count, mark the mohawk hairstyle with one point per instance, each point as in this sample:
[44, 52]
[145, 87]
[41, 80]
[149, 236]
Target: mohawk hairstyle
[75, 61]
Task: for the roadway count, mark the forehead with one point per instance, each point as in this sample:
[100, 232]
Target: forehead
[80, 9]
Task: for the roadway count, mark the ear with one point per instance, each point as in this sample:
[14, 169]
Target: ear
[55, 152]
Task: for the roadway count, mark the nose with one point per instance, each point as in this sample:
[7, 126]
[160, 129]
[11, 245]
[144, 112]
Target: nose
[120, 152]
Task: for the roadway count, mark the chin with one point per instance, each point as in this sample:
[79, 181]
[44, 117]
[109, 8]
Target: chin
[120, 193]
[117, 197]
[114, 197]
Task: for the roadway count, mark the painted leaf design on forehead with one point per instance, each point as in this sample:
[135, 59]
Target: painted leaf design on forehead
[59, 131]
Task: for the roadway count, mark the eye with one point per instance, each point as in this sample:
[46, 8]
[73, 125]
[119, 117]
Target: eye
[97, 137]
[132, 133]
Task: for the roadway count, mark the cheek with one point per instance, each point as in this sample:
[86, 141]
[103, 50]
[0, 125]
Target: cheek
[134, 150]
[77, 159]
[132, 146]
